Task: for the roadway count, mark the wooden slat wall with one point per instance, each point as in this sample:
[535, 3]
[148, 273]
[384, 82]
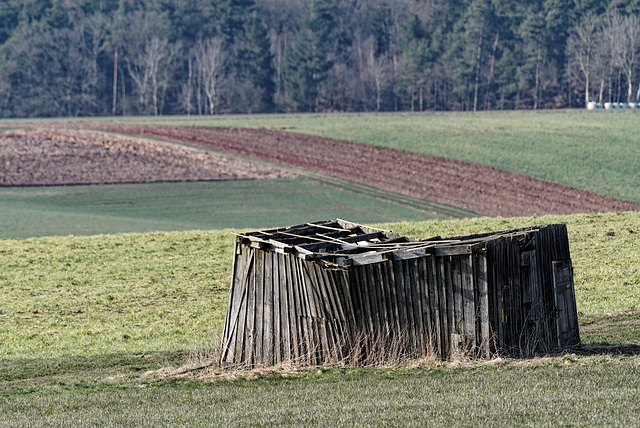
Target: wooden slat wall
[498, 299]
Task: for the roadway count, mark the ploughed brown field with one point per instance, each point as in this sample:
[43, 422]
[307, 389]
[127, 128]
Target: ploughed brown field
[44, 157]
[479, 188]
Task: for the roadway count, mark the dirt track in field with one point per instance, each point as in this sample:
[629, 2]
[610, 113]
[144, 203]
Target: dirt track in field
[479, 188]
[58, 157]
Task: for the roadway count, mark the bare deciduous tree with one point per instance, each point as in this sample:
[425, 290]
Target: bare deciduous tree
[210, 63]
[582, 47]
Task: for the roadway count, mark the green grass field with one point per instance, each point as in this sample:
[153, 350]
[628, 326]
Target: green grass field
[87, 322]
[88, 210]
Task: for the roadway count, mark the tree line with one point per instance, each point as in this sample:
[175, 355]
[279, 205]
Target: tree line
[194, 57]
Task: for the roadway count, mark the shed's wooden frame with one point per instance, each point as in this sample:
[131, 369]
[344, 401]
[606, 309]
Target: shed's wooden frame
[309, 294]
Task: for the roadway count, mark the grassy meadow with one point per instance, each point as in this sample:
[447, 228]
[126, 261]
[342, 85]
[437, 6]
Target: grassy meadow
[93, 329]
[89, 210]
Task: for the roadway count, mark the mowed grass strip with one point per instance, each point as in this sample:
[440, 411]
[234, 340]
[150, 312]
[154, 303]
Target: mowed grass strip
[567, 391]
[142, 293]
[89, 210]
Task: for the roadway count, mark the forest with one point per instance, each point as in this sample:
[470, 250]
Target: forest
[196, 57]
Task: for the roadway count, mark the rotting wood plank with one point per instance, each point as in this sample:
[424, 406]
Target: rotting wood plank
[387, 269]
[267, 317]
[371, 295]
[451, 308]
[435, 304]
[385, 292]
[278, 305]
[426, 313]
[517, 296]
[285, 309]
[238, 343]
[402, 300]
[444, 310]
[468, 295]
[483, 303]
[417, 305]
[249, 347]
[458, 300]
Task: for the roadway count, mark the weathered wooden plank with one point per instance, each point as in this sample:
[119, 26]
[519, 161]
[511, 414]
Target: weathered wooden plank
[414, 269]
[289, 311]
[249, 344]
[426, 313]
[442, 300]
[385, 294]
[452, 336]
[387, 269]
[281, 336]
[434, 303]
[363, 292]
[372, 294]
[518, 319]
[398, 280]
[268, 324]
[481, 272]
[240, 323]
[469, 304]
[306, 316]
[458, 299]
[259, 308]
[349, 306]
[567, 320]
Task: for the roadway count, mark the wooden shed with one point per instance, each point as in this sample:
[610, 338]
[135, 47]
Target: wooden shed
[310, 294]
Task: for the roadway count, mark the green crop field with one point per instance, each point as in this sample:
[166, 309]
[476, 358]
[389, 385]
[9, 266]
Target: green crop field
[88, 210]
[91, 326]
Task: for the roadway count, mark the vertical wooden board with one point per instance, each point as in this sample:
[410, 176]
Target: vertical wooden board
[363, 293]
[319, 292]
[267, 329]
[240, 323]
[238, 259]
[310, 293]
[458, 296]
[340, 324]
[387, 268]
[348, 305]
[434, 303]
[279, 304]
[385, 293]
[402, 300]
[310, 338]
[518, 317]
[500, 292]
[483, 303]
[414, 268]
[424, 290]
[249, 344]
[445, 332]
[567, 318]
[356, 300]
[544, 253]
[409, 332]
[469, 304]
[335, 294]
[296, 310]
[285, 327]
[371, 288]
[451, 309]
[381, 297]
